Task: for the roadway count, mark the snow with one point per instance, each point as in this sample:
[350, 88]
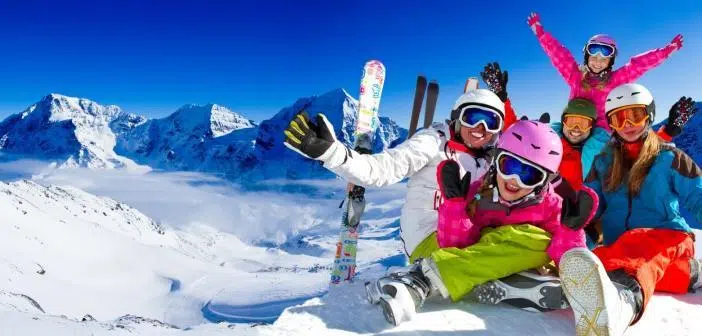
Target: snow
[104, 258]
[93, 251]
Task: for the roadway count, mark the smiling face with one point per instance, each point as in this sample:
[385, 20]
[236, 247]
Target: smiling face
[510, 190]
[598, 63]
[476, 137]
[576, 136]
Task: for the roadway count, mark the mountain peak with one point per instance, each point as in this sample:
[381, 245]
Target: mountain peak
[219, 119]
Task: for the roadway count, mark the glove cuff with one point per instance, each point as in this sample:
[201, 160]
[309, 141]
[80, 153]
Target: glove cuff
[335, 156]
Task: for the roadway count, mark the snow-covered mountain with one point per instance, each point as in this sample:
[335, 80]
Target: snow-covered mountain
[182, 140]
[209, 138]
[70, 131]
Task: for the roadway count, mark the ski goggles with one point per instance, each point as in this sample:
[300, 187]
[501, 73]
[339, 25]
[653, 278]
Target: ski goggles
[527, 174]
[573, 121]
[634, 115]
[472, 116]
[605, 50]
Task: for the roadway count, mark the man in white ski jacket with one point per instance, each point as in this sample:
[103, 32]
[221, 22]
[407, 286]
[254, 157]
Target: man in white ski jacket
[480, 116]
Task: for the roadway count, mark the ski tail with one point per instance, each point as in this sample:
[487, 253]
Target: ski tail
[471, 84]
[417, 105]
[372, 81]
[432, 98]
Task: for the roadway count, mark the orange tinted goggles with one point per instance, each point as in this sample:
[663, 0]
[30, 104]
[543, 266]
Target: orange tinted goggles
[573, 121]
[634, 115]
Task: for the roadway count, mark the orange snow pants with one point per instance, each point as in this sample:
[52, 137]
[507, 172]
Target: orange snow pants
[659, 259]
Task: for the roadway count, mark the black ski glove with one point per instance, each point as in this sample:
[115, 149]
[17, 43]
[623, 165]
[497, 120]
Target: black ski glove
[309, 139]
[679, 114]
[576, 206]
[450, 182]
[496, 80]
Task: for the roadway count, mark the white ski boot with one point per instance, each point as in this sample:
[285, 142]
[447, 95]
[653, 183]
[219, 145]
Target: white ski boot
[527, 290]
[401, 294]
[600, 307]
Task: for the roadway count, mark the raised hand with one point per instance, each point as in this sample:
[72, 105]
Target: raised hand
[496, 79]
[679, 115]
[534, 22]
[307, 138]
[450, 182]
[677, 42]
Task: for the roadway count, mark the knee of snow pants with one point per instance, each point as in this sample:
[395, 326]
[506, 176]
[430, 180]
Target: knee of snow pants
[425, 248]
[498, 253]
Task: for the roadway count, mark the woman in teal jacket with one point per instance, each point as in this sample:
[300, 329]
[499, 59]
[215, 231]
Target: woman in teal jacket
[642, 183]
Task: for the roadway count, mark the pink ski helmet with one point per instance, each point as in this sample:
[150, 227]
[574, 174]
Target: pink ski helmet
[535, 142]
[603, 39]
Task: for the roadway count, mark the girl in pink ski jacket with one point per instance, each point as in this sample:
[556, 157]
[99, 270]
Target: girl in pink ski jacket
[595, 78]
[516, 190]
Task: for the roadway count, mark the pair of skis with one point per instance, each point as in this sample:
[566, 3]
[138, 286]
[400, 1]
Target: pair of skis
[432, 91]
[372, 81]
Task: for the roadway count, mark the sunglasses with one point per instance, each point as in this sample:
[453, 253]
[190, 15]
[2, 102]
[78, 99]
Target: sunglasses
[527, 174]
[573, 121]
[472, 116]
[634, 115]
[604, 50]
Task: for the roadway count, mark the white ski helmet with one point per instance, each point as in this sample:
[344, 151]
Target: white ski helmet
[479, 97]
[631, 94]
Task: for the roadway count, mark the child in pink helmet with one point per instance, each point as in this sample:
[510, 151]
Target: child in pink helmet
[494, 227]
[516, 190]
[594, 79]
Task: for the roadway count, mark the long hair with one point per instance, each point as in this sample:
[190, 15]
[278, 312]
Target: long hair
[620, 167]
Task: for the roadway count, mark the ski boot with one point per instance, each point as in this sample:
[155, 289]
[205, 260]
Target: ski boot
[527, 290]
[695, 275]
[401, 294]
[601, 306]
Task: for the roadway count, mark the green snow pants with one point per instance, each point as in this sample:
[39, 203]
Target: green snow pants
[500, 252]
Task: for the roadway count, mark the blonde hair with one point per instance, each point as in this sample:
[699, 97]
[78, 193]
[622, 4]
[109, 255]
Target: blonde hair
[615, 176]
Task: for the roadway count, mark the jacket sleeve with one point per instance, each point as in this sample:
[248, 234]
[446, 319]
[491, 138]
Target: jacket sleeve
[560, 56]
[388, 167]
[510, 115]
[594, 182]
[640, 64]
[664, 135]
[455, 228]
[687, 183]
[562, 238]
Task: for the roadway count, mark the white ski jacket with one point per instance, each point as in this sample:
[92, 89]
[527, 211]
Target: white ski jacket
[416, 158]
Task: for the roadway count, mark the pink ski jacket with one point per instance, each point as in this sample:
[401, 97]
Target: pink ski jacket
[457, 229]
[586, 85]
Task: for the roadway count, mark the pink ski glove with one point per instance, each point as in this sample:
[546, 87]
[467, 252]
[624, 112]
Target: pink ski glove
[677, 42]
[534, 22]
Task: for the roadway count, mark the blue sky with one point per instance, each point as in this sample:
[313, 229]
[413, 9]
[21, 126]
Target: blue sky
[259, 56]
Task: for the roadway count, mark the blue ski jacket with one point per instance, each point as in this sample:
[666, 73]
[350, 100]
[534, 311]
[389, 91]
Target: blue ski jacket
[673, 181]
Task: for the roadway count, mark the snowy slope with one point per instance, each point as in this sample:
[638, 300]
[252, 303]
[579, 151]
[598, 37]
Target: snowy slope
[69, 131]
[135, 276]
